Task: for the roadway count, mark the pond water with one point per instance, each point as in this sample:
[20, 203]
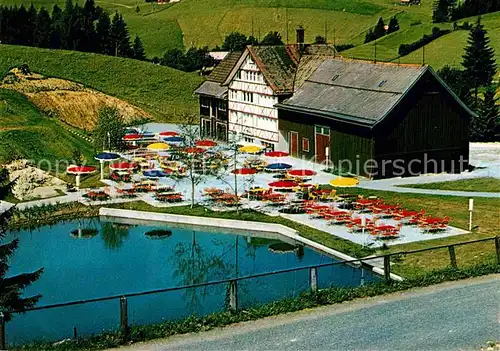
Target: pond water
[111, 258]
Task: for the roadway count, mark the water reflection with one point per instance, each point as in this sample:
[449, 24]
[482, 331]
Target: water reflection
[114, 234]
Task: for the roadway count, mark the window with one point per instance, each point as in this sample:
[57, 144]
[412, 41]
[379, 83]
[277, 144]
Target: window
[305, 144]
[322, 130]
[247, 96]
[222, 105]
[205, 102]
[238, 74]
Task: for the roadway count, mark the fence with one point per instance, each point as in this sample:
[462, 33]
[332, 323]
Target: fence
[232, 284]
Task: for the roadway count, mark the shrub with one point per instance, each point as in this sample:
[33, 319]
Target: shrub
[405, 49]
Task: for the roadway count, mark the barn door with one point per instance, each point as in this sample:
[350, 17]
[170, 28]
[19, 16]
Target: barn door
[294, 144]
[322, 136]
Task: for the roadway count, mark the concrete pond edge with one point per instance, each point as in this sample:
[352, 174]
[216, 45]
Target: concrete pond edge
[269, 228]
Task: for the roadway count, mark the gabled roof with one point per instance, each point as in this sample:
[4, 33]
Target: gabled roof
[213, 85]
[357, 92]
[223, 69]
[280, 64]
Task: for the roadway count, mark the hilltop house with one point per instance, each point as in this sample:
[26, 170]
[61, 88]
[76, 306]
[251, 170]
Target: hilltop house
[379, 120]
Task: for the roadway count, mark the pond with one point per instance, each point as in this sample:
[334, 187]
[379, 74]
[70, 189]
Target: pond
[106, 258]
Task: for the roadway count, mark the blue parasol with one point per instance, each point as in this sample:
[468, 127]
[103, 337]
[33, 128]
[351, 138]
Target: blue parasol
[107, 156]
[154, 174]
[278, 167]
[173, 139]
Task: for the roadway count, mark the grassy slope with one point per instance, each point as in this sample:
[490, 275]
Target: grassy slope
[477, 184]
[448, 50]
[164, 92]
[26, 133]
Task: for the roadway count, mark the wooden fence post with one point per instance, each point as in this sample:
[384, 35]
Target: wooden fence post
[2, 332]
[124, 317]
[497, 248]
[313, 279]
[387, 268]
[233, 295]
[453, 257]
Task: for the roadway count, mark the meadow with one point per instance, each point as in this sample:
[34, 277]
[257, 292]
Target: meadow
[206, 22]
[27, 133]
[164, 92]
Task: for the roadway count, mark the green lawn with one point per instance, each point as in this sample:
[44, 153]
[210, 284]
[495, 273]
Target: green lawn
[487, 184]
[26, 133]
[164, 92]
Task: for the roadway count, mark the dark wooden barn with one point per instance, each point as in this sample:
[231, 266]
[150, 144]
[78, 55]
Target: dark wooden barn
[213, 99]
[377, 120]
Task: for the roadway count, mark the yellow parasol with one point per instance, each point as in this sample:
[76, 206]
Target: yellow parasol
[344, 182]
[250, 149]
[158, 146]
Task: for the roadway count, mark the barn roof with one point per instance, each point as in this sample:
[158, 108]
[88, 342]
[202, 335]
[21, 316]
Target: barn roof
[213, 85]
[358, 92]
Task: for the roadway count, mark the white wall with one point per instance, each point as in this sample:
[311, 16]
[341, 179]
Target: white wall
[253, 114]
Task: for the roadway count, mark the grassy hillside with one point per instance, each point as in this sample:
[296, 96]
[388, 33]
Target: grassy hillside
[26, 133]
[163, 92]
[447, 50]
[207, 22]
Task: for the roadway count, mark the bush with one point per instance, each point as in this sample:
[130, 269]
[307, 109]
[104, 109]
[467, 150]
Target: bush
[405, 49]
[344, 47]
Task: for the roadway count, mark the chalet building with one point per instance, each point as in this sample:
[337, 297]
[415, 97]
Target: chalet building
[213, 99]
[263, 77]
[376, 119]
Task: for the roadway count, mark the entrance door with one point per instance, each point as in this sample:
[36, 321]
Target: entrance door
[322, 136]
[294, 144]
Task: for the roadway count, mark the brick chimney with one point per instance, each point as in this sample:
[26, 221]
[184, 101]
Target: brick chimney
[300, 37]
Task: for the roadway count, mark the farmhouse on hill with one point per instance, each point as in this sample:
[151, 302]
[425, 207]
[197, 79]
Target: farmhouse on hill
[372, 119]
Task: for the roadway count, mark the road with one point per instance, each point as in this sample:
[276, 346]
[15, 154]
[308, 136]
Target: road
[451, 316]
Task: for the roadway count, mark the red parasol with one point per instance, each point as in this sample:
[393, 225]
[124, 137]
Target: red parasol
[301, 173]
[276, 154]
[169, 133]
[194, 150]
[132, 137]
[205, 143]
[80, 170]
[285, 184]
[122, 166]
[244, 171]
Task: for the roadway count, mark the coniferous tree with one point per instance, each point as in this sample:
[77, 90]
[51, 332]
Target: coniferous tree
[120, 36]
[12, 286]
[479, 58]
[486, 127]
[103, 35]
[68, 19]
[56, 27]
[393, 25]
[138, 49]
[379, 30]
[88, 16]
[43, 29]
[369, 36]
